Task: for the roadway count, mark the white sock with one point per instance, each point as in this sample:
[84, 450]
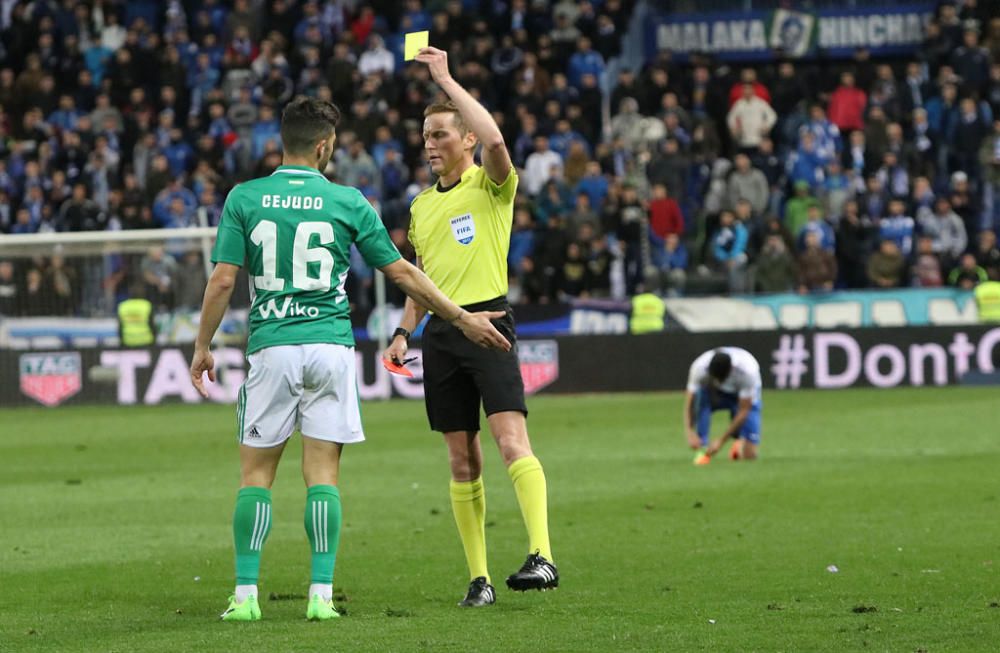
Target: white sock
[325, 590]
[245, 591]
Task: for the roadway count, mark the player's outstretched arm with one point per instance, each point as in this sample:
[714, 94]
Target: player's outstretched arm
[496, 159]
[474, 326]
[218, 291]
[413, 313]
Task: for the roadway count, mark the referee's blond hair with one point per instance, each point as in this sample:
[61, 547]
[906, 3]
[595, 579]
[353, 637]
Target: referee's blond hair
[448, 107]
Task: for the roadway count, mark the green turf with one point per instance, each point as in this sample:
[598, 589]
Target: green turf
[115, 534]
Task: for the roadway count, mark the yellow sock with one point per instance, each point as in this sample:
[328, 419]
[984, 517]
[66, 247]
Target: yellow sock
[529, 485]
[468, 503]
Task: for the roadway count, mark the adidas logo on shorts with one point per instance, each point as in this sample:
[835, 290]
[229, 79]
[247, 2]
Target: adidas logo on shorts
[254, 433]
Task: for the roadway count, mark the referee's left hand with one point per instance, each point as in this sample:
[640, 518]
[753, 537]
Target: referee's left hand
[478, 328]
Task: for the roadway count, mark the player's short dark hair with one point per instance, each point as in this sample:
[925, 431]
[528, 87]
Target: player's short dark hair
[305, 121]
[720, 366]
[448, 106]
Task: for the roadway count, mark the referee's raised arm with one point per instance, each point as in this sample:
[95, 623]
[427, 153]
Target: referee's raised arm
[496, 159]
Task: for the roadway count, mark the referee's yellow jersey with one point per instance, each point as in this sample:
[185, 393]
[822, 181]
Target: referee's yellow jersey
[462, 235]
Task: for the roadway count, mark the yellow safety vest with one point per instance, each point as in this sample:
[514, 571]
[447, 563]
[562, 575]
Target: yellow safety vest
[988, 301]
[647, 313]
[133, 316]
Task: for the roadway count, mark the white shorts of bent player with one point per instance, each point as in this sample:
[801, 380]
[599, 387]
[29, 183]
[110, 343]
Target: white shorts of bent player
[310, 387]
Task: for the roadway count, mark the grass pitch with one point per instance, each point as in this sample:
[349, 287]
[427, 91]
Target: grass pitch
[115, 532]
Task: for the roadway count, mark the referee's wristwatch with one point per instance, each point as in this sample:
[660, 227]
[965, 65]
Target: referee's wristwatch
[400, 331]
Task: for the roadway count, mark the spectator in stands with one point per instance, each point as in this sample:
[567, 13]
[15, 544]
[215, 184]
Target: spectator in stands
[631, 226]
[573, 277]
[964, 203]
[62, 282]
[825, 134]
[37, 295]
[750, 119]
[554, 200]
[582, 214]
[669, 269]
[922, 197]
[788, 90]
[876, 136]
[188, 281]
[898, 227]
[847, 104]
[989, 161]
[749, 183]
[669, 167]
[967, 274]
[376, 59]
[807, 164]
[729, 250]
[599, 263]
[892, 176]
[988, 254]
[158, 271]
[915, 89]
[265, 131]
[853, 158]
[797, 208]
[836, 191]
[926, 271]
[817, 265]
[594, 184]
[355, 166]
[815, 224]
[885, 266]
[576, 158]
[664, 214]
[522, 240]
[965, 135]
[775, 269]
[540, 166]
[79, 213]
[10, 291]
[874, 201]
[22, 222]
[970, 61]
[585, 60]
[945, 230]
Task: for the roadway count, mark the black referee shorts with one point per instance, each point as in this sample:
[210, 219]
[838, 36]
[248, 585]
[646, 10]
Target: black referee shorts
[458, 373]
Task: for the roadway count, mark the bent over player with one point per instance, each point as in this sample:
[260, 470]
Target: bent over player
[727, 378]
[293, 230]
[460, 229]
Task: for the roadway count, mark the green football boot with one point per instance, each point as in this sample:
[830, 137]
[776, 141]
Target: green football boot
[249, 610]
[320, 610]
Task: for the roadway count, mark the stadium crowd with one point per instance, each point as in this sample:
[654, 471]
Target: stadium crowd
[703, 177]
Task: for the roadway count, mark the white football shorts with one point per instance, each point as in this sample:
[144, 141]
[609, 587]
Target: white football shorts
[312, 387]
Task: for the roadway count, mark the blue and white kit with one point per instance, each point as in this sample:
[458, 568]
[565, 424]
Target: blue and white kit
[743, 382]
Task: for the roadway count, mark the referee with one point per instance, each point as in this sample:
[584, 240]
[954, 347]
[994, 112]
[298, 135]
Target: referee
[460, 229]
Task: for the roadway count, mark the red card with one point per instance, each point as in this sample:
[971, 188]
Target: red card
[396, 369]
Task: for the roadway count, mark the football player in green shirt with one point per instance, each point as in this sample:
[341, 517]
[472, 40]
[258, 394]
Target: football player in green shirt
[293, 231]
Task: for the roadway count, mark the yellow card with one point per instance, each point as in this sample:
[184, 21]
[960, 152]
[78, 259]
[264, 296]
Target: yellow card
[412, 44]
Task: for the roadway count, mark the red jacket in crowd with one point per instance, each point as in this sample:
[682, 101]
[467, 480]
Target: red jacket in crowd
[847, 108]
[665, 217]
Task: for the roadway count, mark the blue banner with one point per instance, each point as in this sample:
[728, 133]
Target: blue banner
[764, 35]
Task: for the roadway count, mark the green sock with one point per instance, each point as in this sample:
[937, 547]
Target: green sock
[251, 524]
[322, 520]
